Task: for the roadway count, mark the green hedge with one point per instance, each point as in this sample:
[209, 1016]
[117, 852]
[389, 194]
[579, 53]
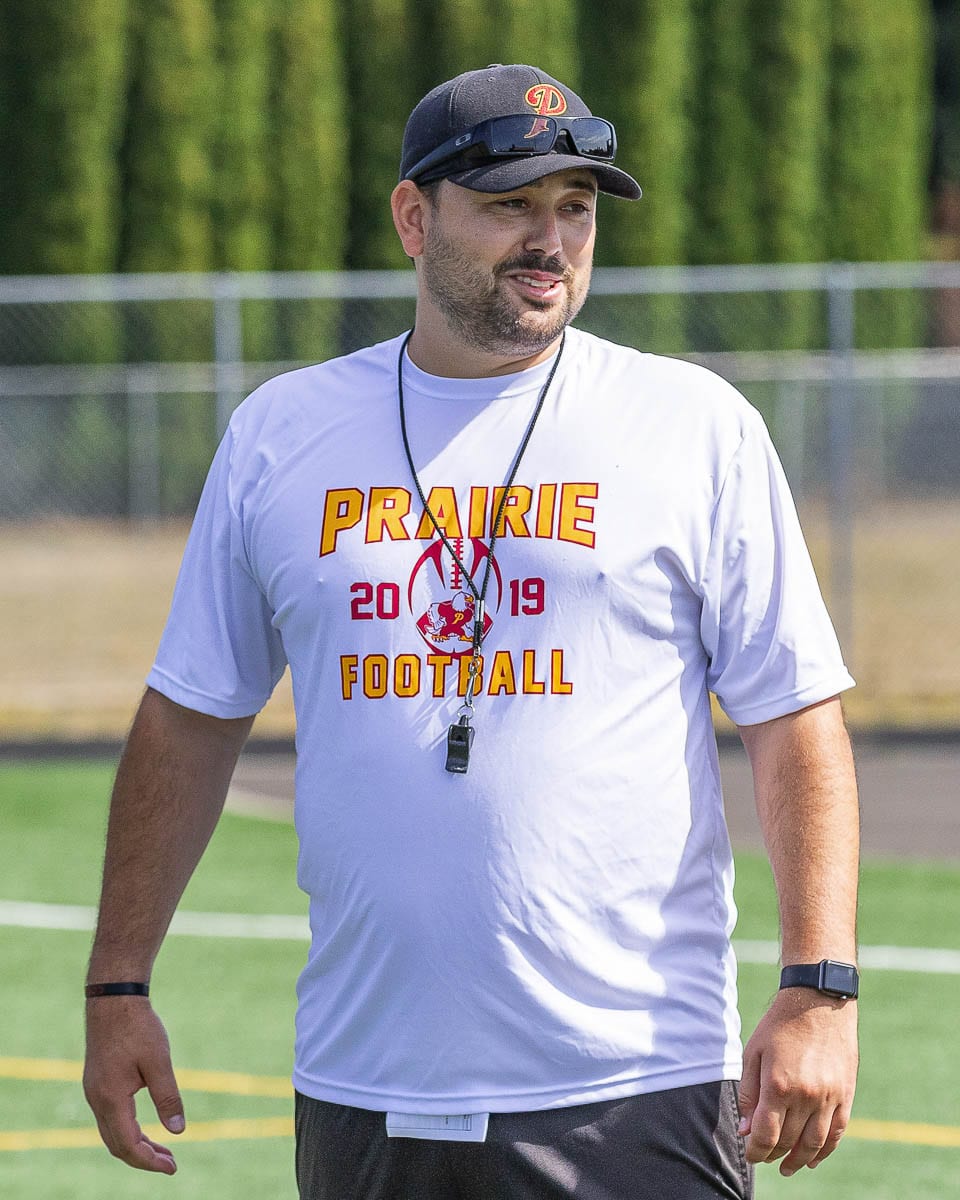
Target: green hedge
[638, 69]
[61, 91]
[241, 136]
[879, 151]
[198, 134]
[166, 154]
[308, 164]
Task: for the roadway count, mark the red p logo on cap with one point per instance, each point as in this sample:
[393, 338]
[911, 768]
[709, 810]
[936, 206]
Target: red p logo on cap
[547, 100]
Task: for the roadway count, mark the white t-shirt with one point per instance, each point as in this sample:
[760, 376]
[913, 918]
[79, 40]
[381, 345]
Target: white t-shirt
[553, 927]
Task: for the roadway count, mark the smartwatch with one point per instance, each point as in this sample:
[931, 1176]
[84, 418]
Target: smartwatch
[838, 979]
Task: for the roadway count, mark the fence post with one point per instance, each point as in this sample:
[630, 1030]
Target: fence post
[227, 349]
[143, 425]
[790, 408]
[841, 307]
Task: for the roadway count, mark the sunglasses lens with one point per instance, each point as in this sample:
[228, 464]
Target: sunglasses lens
[594, 137]
[521, 135]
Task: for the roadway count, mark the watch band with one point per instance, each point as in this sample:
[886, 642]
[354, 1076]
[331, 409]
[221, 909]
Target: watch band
[833, 978]
[94, 990]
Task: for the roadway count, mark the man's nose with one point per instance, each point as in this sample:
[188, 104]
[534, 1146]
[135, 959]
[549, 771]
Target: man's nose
[544, 234]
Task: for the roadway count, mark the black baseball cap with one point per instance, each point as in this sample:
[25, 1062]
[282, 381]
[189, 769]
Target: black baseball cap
[458, 106]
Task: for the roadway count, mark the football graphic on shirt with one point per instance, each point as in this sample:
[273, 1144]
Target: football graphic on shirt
[440, 596]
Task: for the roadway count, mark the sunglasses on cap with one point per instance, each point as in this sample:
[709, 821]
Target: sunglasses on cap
[522, 136]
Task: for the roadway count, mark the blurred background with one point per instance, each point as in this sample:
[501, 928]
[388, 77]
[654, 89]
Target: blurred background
[194, 196]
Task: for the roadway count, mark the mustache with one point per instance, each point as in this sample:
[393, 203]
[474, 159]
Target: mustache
[551, 264]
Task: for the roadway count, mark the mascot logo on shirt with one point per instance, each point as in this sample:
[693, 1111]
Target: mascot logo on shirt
[546, 100]
[447, 624]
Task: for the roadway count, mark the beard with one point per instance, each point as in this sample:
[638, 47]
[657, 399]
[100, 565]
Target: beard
[482, 314]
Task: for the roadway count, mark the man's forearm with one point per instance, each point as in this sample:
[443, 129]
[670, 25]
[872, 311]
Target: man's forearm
[169, 792]
[806, 795]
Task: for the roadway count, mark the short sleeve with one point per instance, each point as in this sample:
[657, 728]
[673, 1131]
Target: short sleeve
[771, 644]
[219, 653]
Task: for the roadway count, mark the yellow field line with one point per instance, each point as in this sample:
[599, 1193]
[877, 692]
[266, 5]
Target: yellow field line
[910, 1133]
[199, 1131]
[282, 1127]
[234, 1083]
[231, 1083]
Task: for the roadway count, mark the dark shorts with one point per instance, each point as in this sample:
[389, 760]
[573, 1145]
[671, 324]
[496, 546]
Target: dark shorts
[680, 1144]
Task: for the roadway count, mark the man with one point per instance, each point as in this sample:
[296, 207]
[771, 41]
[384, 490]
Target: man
[506, 562]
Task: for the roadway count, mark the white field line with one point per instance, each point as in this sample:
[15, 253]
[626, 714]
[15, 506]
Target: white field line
[186, 924]
[910, 959]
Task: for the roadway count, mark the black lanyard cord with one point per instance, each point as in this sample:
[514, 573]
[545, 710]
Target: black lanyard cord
[480, 595]
[460, 734]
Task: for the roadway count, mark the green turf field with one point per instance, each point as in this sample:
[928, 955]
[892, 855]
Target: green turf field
[228, 1004]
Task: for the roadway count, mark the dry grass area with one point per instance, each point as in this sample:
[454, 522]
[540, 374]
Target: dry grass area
[82, 606]
[905, 646]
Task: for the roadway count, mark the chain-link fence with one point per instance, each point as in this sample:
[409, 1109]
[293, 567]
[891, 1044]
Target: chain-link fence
[114, 390]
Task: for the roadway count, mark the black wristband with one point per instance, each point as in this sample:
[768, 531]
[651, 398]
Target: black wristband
[92, 990]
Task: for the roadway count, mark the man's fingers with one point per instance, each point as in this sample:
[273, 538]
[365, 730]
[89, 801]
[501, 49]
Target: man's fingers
[800, 1137]
[838, 1127]
[748, 1093]
[166, 1100]
[766, 1126]
[123, 1137]
[775, 1124]
[147, 1155]
[151, 1156]
[800, 1142]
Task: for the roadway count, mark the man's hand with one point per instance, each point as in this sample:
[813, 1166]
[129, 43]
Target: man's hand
[799, 1076]
[127, 1049]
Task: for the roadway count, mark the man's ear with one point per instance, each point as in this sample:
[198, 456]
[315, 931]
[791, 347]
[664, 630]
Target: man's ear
[409, 206]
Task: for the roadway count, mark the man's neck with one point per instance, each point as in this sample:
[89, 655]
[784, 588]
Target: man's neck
[453, 360]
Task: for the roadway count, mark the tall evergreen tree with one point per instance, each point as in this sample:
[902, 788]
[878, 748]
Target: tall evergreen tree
[382, 90]
[792, 106]
[167, 216]
[945, 164]
[880, 136]
[311, 136]
[461, 34]
[637, 67]
[309, 163]
[792, 101]
[880, 129]
[465, 35]
[636, 73]
[723, 175]
[242, 226]
[166, 155]
[62, 68]
[544, 37]
[946, 151]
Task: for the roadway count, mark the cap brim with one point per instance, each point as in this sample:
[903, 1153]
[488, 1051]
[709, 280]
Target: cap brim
[508, 175]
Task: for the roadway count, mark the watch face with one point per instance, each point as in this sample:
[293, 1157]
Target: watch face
[840, 978]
